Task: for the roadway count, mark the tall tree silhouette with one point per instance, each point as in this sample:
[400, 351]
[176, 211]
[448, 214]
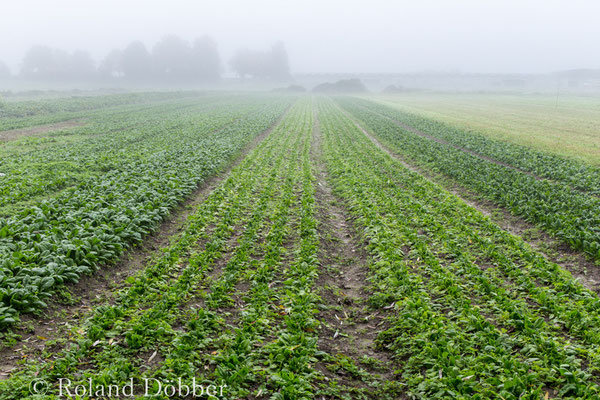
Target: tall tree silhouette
[205, 60]
[172, 59]
[112, 65]
[41, 62]
[136, 62]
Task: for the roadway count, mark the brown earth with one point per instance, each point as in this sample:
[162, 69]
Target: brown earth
[15, 134]
[349, 326]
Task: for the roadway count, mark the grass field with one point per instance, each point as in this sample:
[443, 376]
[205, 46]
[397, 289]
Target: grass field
[568, 127]
[290, 247]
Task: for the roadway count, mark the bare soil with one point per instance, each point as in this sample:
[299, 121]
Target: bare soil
[15, 134]
[349, 326]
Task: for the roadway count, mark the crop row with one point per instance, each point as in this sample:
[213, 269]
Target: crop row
[572, 216]
[478, 314]
[90, 224]
[541, 164]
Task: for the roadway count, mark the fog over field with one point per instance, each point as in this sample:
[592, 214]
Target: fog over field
[531, 36]
[300, 199]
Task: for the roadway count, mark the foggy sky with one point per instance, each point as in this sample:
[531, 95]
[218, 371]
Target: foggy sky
[327, 35]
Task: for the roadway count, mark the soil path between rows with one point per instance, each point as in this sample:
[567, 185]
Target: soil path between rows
[580, 266]
[349, 326]
[101, 287]
[14, 134]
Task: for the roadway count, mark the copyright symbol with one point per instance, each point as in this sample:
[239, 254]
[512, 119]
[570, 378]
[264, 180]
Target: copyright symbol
[38, 386]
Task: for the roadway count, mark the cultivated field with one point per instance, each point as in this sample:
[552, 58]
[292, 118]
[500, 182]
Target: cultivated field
[563, 124]
[297, 247]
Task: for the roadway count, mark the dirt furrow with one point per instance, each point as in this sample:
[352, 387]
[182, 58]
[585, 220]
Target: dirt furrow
[349, 327]
[14, 134]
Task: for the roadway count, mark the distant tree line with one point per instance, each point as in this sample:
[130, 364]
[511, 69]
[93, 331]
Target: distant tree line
[171, 60]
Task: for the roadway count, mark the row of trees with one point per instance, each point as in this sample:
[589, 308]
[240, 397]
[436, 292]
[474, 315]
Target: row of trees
[172, 59]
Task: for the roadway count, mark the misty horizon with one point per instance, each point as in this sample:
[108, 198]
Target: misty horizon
[329, 37]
